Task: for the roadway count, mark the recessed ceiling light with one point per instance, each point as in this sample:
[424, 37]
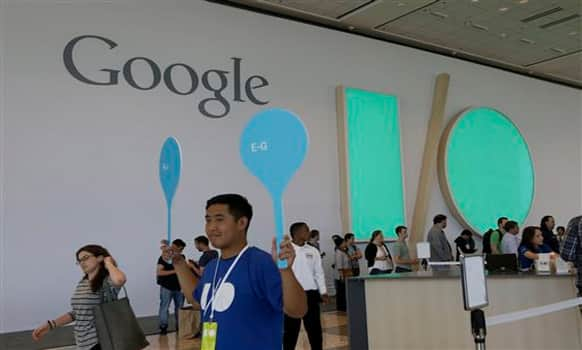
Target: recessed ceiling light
[439, 14]
[503, 35]
[479, 26]
[474, 0]
[503, 9]
[523, 1]
[351, 27]
[573, 33]
[400, 4]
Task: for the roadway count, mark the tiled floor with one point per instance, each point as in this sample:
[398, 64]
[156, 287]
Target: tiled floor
[334, 336]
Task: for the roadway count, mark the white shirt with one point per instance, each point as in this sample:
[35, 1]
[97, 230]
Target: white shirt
[381, 264]
[509, 244]
[307, 268]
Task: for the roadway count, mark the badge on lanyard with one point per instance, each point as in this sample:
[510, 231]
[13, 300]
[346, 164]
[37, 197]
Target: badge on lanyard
[209, 333]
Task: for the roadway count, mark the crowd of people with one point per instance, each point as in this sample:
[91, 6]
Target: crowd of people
[505, 239]
[247, 302]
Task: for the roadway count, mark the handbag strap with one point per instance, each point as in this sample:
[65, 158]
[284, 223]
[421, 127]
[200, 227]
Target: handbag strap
[109, 294]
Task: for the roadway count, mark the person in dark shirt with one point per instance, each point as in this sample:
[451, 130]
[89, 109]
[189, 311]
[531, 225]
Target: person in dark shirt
[169, 286]
[465, 243]
[550, 239]
[203, 246]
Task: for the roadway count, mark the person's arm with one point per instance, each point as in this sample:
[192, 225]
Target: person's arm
[47, 326]
[531, 255]
[117, 276]
[405, 261]
[359, 253]
[188, 281]
[294, 297]
[320, 278]
[356, 255]
[400, 261]
[195, 267]
[161, 272]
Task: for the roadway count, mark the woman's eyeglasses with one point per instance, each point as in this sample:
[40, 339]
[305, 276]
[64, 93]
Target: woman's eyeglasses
[83, 259]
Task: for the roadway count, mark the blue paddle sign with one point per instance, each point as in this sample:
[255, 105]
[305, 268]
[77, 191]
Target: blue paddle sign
[170, 168]
[273, 146]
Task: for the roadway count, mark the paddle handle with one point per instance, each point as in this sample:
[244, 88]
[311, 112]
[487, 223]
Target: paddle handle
[169, 223]
[279, 229]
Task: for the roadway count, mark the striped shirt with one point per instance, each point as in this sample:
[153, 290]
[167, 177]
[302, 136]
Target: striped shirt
[83, 303]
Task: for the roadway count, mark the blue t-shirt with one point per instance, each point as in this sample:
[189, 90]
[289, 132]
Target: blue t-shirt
[249, 307]
[526, 263]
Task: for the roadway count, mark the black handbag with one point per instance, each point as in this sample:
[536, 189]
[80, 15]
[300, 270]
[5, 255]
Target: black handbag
[117, 326]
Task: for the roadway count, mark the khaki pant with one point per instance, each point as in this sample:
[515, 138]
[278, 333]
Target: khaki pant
[189, 323]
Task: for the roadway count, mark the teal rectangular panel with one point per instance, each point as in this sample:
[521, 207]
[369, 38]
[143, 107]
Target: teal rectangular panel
[376, 196]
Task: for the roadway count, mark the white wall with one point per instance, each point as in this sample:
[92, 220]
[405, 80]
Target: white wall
[79, 162]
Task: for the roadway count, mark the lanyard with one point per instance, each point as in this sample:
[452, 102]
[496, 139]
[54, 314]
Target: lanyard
[215, 287]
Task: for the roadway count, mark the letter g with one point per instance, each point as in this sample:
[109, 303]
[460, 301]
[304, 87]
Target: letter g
[70, 65]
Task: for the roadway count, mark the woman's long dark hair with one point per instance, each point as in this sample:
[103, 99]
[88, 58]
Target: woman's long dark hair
[527, 237]
[96, 250]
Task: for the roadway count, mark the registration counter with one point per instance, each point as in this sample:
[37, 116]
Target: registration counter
[424, 310]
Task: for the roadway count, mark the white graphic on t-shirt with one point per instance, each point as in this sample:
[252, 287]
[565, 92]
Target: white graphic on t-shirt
[204, 296]
[223, 299]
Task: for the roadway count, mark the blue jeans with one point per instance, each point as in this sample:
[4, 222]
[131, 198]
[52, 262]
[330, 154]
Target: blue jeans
[166, 297]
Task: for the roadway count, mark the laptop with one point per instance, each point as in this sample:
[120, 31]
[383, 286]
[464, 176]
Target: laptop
[504, 263]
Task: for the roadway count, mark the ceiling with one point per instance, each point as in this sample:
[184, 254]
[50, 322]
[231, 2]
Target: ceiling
[540, 38]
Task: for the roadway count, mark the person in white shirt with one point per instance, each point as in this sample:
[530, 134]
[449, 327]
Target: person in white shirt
[308, 270]
[510, 241]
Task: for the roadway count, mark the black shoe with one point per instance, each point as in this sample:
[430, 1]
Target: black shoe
[163, 330]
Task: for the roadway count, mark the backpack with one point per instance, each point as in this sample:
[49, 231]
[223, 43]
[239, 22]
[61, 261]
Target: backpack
[487, 241]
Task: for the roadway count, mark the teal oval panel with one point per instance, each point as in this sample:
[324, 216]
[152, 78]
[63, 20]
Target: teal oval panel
[488, 169]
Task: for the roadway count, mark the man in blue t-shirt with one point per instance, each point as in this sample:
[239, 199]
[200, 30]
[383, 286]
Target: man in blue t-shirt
[243, 291]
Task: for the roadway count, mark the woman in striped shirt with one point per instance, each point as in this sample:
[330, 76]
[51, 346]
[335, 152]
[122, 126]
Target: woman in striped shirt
[101, 281]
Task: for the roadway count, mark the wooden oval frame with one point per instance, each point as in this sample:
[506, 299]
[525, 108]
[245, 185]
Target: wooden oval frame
[442, 162]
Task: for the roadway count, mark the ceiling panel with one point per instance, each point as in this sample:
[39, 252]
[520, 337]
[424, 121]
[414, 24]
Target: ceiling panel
[325, 8]
[518, 35]
[567, 67]
[381, 11]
